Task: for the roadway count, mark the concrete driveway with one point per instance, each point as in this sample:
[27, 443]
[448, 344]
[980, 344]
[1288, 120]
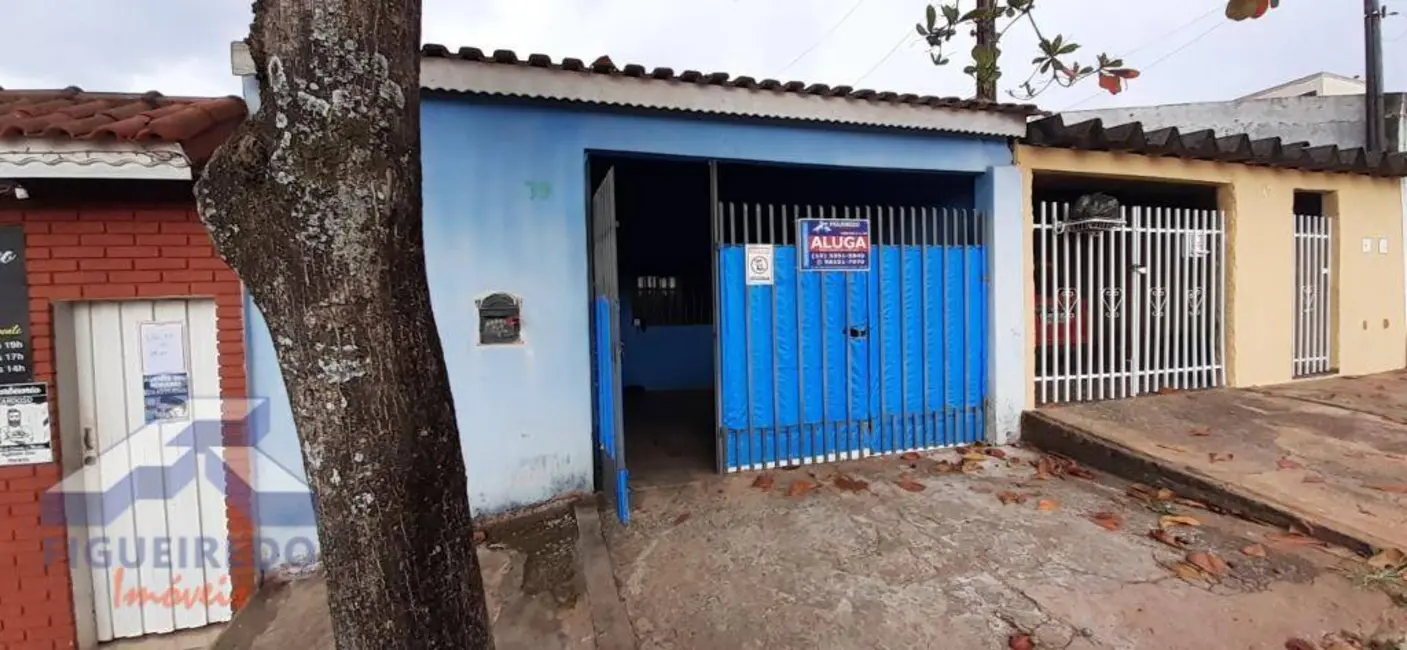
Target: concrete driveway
[922, 557]
[1330, 454]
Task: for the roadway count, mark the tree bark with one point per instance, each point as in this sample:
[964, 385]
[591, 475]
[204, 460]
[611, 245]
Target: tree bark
[987, 37]
[315, 202]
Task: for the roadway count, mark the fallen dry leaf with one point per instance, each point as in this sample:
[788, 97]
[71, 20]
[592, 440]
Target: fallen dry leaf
[1108, 520]
[1313, 478]
[995, 453]
[1165, 537]
[1008, 497]
[1020, 642]
[682, 518]
[1208, 562]
[1191, 503]
[1180, 450]
[1254, 550]
[849, 484]
[763, 482]
[1168, 521]
[1145, 493]
[1396, 488]
[1291, 539]
[1285, 463]
[1188, 572]
[1301, 644]
[910, 456]
[911, 485]
[1043, 469]
[1220, 458]
[1079, 472]
[943, 467]
[1200, 432]
[1047, 505]
[1388, 559]
[799, 488]
[974, 456]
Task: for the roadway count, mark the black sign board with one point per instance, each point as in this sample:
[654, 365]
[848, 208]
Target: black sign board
[16, 353]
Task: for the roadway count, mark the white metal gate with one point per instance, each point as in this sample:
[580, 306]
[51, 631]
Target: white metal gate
[1314, 246]
[1133, 310]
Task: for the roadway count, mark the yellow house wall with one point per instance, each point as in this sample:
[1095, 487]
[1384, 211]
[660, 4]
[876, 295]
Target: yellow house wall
[1258, 202]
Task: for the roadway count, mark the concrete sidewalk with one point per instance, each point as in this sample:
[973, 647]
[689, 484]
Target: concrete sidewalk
[542, 576]
[897, 554]
[1329, 456]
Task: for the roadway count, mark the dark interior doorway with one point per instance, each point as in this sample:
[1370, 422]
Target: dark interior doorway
[665, 267]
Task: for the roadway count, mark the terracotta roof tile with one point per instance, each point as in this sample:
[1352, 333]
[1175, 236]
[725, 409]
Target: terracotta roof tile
[197, 123]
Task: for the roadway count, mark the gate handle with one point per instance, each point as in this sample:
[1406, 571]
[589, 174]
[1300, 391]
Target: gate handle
[859, 332]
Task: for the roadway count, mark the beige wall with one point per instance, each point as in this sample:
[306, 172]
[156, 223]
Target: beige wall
[1258, 202]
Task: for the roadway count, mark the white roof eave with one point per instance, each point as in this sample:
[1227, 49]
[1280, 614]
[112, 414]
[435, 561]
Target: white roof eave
[92, 159]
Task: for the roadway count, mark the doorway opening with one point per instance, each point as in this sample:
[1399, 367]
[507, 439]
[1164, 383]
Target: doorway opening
[748, 316]
[664, 272]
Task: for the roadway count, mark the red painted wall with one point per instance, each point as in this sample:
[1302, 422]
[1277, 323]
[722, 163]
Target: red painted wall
[106, 252]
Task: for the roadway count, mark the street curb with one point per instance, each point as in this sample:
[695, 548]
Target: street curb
[1049, 434]
[608, 615]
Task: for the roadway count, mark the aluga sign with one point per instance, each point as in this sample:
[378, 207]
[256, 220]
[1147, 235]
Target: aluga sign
[835, 244]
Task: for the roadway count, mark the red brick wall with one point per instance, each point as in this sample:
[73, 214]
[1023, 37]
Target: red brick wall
[105, 253]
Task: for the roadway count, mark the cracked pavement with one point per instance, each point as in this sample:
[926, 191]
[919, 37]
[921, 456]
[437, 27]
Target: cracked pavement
[952, 567]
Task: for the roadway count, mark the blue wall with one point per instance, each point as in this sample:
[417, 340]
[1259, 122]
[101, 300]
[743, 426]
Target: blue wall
[505, 210]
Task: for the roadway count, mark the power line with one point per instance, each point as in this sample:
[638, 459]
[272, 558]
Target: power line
[823, 37]
[902, 39]
[1164, 57]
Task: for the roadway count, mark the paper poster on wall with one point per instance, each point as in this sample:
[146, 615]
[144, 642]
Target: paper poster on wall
[25, 437]
[163, 348]
[166, 385]
[759, 264]
[166, 396]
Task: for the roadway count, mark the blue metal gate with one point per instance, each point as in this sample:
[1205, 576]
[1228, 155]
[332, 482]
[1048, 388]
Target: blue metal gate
[818, 366]
[605, 306]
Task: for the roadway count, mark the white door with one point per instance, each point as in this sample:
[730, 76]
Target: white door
[157, 541]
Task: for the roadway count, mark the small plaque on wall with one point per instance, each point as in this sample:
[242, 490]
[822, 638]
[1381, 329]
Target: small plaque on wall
[500, 319]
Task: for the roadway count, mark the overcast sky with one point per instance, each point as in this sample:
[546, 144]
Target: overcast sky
[1186, 48]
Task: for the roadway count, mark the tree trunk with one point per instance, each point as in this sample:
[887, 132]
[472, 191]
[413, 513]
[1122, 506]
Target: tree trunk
[987, 37]
[316, 203]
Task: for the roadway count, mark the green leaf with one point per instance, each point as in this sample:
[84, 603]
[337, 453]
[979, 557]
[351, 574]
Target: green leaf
[932, 15]
[1069, 47]
[950, 13]
[918, 27]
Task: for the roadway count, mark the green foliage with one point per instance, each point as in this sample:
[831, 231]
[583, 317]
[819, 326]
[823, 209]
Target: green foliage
[1056, 65]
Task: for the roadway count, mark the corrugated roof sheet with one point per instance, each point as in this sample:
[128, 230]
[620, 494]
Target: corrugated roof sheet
[1093, 135]
[605, 67]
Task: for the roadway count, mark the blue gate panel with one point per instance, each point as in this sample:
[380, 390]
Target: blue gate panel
[822, 366]
[605, 406]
